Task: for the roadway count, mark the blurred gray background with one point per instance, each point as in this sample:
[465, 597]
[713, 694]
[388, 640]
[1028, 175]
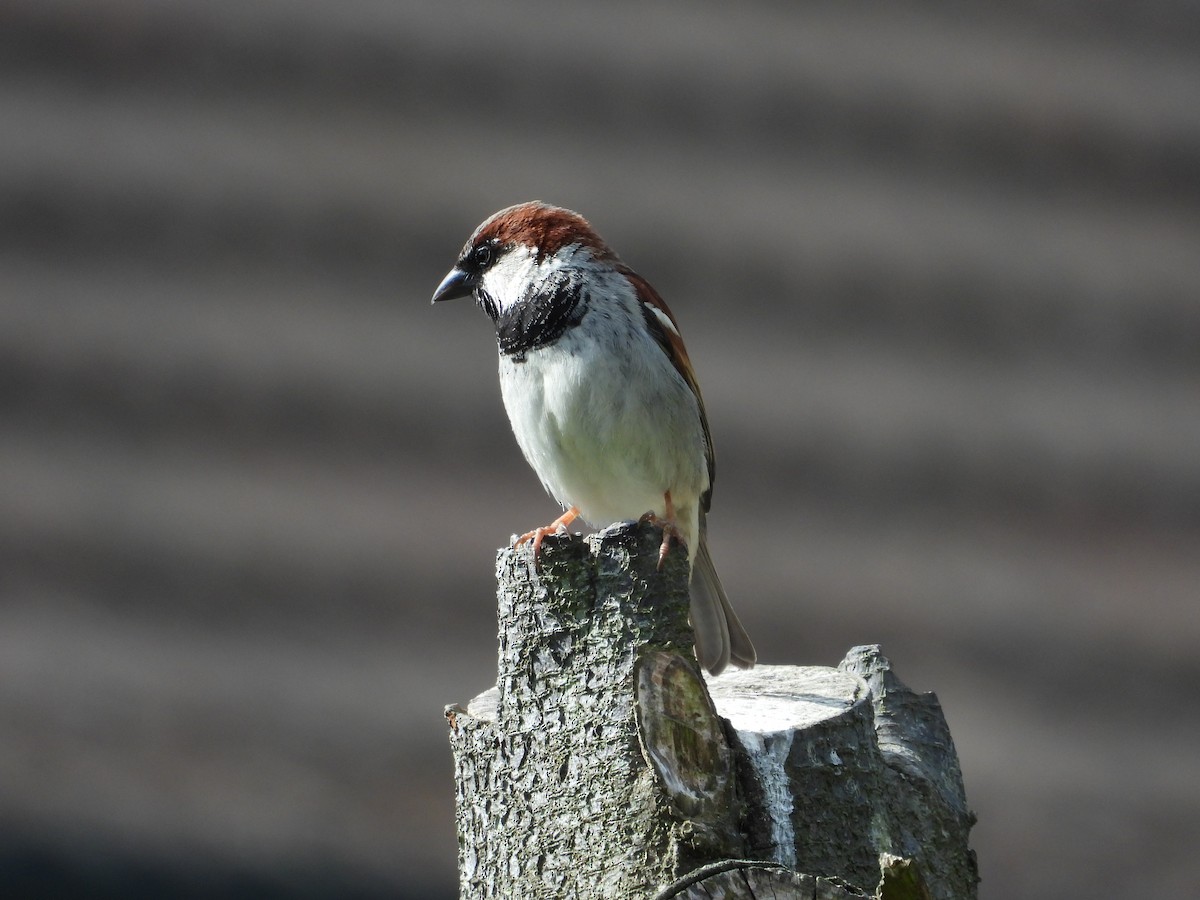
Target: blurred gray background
[938, 266]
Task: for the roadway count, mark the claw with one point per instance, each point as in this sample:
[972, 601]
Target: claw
[558, 526]
[669, 528]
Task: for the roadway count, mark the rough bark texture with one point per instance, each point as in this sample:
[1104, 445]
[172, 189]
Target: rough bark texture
[870, 769]
[555, 798]
[924, 816]
[602, 766]
[746, 880]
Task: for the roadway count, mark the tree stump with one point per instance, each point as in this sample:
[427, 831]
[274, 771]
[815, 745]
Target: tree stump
[604, 765]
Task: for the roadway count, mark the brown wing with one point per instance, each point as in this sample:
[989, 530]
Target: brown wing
[662, 325]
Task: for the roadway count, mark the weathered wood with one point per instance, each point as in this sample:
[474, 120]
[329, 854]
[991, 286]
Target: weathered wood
[925, 843]
[604, 765]
[750, 880]
[555, 798]
[857, 770]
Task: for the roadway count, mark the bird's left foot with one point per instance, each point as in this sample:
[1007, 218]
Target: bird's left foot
[669, 528]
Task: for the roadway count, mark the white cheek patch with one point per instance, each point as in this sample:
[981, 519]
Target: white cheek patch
[510, 276]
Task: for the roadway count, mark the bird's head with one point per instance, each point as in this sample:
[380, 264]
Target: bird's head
[513, 254]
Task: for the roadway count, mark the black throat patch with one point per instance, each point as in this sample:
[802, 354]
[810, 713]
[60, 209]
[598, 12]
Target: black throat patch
[539, 318]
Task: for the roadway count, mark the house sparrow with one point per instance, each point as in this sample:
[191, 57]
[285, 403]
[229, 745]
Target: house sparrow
[600, 393]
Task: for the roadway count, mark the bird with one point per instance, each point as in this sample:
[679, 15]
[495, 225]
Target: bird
[601, 394]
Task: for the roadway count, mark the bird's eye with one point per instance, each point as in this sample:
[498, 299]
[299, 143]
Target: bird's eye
[482, 257]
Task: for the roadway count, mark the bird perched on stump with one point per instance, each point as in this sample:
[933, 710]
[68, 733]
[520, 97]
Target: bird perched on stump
[600, 393]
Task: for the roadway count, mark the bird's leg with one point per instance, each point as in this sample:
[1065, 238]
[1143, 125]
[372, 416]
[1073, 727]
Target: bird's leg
[538, 534]
[669, 528]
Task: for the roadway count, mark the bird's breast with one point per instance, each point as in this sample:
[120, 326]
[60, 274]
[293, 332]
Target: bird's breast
[606, 422]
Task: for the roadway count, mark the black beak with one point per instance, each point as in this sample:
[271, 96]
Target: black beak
[456, 284]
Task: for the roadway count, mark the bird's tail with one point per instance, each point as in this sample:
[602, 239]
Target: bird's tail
[720, 637]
